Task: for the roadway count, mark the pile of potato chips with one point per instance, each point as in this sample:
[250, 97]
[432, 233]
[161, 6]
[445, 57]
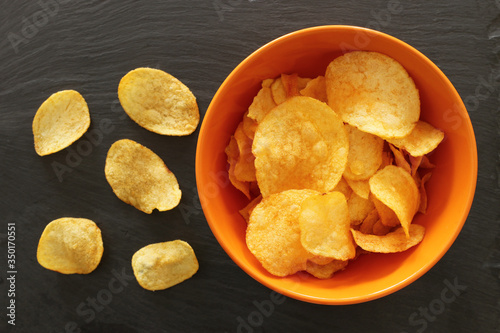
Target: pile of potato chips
[333, 166]
[158, 102]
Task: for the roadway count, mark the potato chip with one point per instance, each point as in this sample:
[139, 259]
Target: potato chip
[70, 246]
[316, 88]
[360, 187]
[365, 154]
[247, 210]
[233, 155]
[395, 241]
[140, 178]
[278, 91]
[249, 126]
[374, 93]
[366, 226]
[158, 102]
[324, 226]
[359, 208]
[262, 103]
[244, 168]
[273, 233]
[325, 271]
[423, 139]
[400, 159]
[320, 260]
[298, 148]
[163, 265]
[387, 215]
[343, 188]
[61, 120]
[380, 229]
[287, 86]
[395, 188]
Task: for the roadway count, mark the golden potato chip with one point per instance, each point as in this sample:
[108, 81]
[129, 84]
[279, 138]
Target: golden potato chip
[423, 139]
[316, 88]
[380, 229]
[244, 168]
[395, 241]
[395, 188]
[140, 178]
[360, 187]
[400, 159]
[158, 102]
[324, 226]
[325, 271]
[163, 265]
[70, 246]
[249, 126]
[287, 86]
[343, 188]
[233, 155]
[61, 120]
[366, 226]
[387, 215]
[278, 91]
[365, 154]
[247, 210]
[273, 233]
[296, 148]
[374, 93]
[359, 208]
[262, 103]
[320, 260]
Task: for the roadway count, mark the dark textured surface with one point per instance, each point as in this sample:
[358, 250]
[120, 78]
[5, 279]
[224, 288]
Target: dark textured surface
[89, 45]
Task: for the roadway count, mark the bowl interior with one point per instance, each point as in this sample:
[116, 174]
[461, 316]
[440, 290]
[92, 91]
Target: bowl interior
[450, 189]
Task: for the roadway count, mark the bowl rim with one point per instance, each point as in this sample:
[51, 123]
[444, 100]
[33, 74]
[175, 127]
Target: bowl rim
[394, 287]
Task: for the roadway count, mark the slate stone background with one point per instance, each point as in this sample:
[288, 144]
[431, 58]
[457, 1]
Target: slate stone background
[51, 45]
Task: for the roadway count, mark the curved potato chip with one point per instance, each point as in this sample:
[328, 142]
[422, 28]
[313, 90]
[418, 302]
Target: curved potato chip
[370, 220]
[387, 215]
[360, 187]
[423, 139]
[325, 271]
[316, 88]
[163, 265]
[374, 93]
[300, 144]
[158, 102]
[70, 246]
[244, 168]
[247, 210]
[273, 233]
[324, 226]
[61, 120]
[233, 154]
[396, 189]
[395, 241]
[319, 260]
[262, 103]
[140, 178]
[359, 208]
[343, 188]
[365, 154]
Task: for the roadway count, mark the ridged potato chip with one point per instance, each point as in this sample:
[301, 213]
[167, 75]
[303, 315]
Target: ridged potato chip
[324, 226]
[395, 241]
[70, 246]
[365, 154]
[374, 93]
[262, 103]
[163, 265]
[316, 88]
[158, 102]
[300, 144]
[325, 271]
[273, 233]
[396, 189]
[140, 178]
[423, 139]
[61, 120]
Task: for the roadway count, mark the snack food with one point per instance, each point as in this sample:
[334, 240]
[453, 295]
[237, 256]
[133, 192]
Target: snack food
[158, 102]
[70, 246]
[329, 189]
[163, 265]
[140, 178]
[61, 120]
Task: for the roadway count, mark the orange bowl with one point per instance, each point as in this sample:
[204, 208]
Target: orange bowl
[450, 189]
